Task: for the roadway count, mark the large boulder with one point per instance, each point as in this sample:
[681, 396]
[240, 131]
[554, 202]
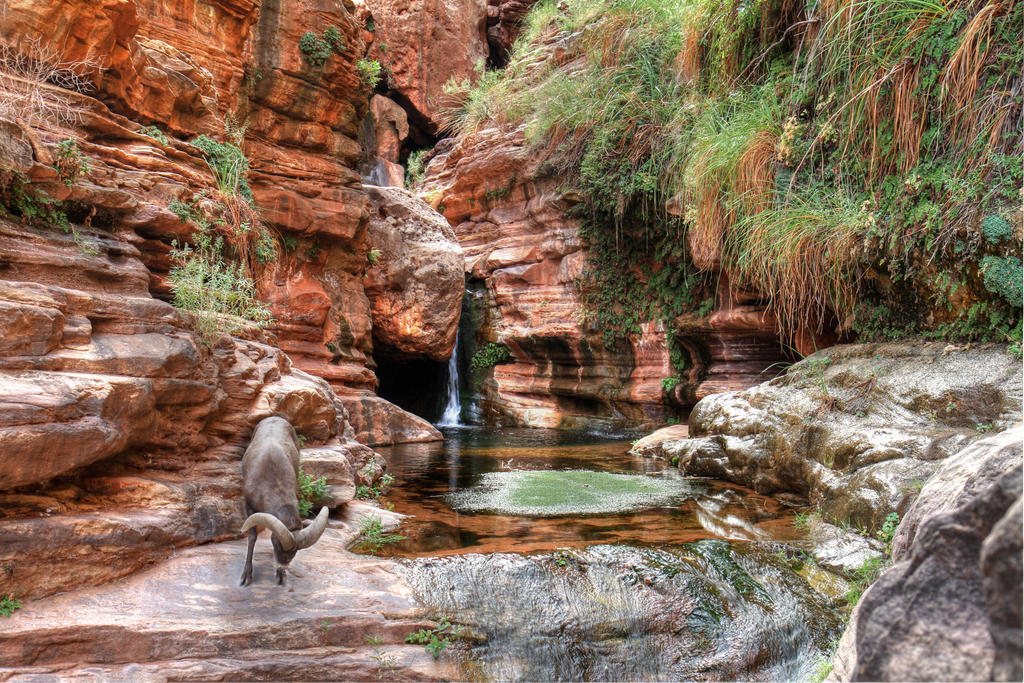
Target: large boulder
[856, 429]
[950, 608]
[416, 285]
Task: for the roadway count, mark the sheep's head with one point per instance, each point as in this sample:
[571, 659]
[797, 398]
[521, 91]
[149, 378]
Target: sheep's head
[285, 542]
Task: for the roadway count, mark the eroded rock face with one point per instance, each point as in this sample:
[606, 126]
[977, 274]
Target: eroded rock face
[416, 285]
[383, 131]
[190, 69]
[122, 436]
[950, 608]
[855, 429]
[424, 44]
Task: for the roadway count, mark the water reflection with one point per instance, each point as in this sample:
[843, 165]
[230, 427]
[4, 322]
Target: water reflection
[426, 473]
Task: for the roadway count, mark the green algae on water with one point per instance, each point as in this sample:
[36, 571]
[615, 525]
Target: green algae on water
[551, 493]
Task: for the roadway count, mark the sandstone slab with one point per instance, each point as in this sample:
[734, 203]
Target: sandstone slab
[188, 619]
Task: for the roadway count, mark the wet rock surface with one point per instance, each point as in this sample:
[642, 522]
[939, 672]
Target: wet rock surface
[704, 610]
[855, 429]
[950, 608]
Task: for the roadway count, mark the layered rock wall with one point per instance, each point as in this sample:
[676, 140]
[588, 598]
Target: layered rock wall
[121, 430]
[515, 225]
[121, 435]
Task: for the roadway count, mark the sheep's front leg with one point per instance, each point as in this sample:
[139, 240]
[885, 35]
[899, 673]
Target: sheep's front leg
[247, 570]
[282, 574]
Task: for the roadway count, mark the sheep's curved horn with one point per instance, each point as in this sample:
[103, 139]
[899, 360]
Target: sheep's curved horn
[283, 535]
[311, 534]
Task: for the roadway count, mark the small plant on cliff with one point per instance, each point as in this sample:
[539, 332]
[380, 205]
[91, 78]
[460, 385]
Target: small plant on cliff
[364, 492]
[156, 134]
[373, 256]
[668, 384]
[489, 355]
[386, 662]
[435, 640]
[19, 199]
[8, 604]
[864, 576]
[414, 169]
[229, 165]
[369, 72]
[309, 491]
[314, 49]
[332, 36]
[372, 536]
[70, 163]
[888, 530]
[217, 293]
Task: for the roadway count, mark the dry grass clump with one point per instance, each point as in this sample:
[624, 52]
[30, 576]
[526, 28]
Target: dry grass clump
[36, 86]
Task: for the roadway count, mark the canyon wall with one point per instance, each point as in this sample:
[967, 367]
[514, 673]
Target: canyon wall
[515, 224]
[121, 426]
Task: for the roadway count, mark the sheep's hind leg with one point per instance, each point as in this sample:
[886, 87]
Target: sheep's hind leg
[247, 570]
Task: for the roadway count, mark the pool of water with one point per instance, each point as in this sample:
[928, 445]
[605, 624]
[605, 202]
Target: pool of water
[427, 476]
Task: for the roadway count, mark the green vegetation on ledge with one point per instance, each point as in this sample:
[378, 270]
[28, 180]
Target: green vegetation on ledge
[855, 161]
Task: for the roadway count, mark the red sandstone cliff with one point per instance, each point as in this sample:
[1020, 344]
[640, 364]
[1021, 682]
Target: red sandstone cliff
[520, 240]
[120, 431]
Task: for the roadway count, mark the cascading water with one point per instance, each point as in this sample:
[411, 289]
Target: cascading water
[450, 417]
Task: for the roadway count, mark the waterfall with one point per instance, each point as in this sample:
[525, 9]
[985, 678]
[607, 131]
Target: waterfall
[450, 417]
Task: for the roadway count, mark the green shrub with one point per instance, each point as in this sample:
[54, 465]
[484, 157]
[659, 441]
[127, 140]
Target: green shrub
[435, 640]
[996, 228]
[19, 199]
[314, 49]
[217, 293]
[369, 72]
[156, 134]
[372, 536]
[489, 355]
[414, 169]
[373, 256]
[229, 165]
[9, 604]
[364, 492]
[309, 491]
[888, 530]
[668, 384]
[70, 163]
[1003, 277]
[332, 36]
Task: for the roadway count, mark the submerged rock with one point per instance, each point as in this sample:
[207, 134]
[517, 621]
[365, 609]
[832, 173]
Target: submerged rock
[706, 610]
[950, 609]
[550, 493]
[855, 429]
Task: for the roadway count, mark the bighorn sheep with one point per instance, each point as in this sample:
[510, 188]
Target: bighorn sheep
[270, 470]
